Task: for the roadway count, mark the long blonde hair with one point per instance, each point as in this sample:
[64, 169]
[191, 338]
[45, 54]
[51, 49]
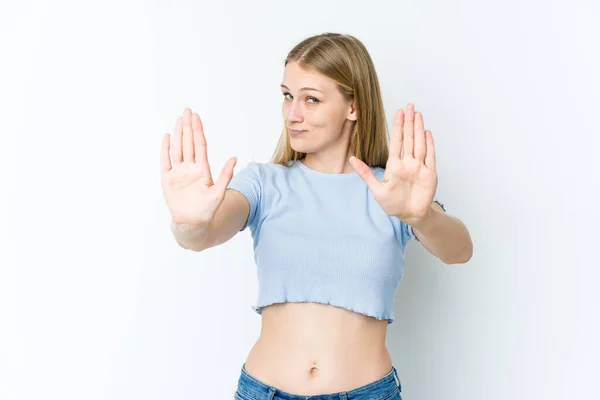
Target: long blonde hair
[345, 60]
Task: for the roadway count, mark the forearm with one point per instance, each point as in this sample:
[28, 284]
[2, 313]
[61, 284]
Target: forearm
[445, 236]
[190, 237]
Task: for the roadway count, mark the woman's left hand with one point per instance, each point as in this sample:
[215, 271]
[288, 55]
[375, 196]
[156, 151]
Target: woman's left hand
[410, 178]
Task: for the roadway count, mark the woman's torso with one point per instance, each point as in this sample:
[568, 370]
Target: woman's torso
[314, 348]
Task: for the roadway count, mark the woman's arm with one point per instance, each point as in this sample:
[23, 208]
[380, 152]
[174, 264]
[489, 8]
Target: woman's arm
[444, 236]
[228, 220]
[189, 237]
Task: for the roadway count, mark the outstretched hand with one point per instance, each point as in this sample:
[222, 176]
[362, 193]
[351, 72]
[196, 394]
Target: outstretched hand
[186, 180]
[410, 179]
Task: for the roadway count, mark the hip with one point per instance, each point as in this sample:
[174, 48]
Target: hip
[313, 370]
[387, 387]
[309, 349]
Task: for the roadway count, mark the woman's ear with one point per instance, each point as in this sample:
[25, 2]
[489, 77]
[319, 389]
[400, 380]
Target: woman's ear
[352, 112]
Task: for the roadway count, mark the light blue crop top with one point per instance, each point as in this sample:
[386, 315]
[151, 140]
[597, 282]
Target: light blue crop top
[322, 238]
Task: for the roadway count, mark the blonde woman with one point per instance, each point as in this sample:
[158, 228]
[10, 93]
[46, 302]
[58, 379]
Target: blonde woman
[330, 216]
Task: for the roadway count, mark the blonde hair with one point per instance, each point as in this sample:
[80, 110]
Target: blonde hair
[345, 60]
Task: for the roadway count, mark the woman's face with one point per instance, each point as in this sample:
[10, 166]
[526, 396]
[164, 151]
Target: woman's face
[312, 103]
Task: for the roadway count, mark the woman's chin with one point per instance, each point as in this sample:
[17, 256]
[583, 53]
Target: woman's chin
[301, 149]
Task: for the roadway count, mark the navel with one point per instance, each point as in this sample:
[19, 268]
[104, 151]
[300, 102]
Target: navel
[314, 369]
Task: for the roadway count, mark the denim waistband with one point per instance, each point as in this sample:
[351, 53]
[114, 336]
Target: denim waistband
[382, 388]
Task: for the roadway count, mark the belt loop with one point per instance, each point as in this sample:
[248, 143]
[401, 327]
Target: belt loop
[272, 392]
[396, 375]
[343, 396]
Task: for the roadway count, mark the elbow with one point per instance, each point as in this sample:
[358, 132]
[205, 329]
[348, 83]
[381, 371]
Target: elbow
[190, 248]
[195, 249]
[463, 257]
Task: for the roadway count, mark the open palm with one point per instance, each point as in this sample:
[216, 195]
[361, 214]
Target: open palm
[410, 178]
[191, 195]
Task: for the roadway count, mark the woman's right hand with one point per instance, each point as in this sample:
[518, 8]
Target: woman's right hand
[191, 195]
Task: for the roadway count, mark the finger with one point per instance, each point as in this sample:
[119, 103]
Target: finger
[176, 155]
[430, 157]
[226, 175]
[188, 140]
[366, 174]
[408, 137]
[201, 155]
[396, 136]
[165, 159]
[420, 145]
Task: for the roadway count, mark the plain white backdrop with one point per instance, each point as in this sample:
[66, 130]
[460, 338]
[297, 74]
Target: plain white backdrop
[97, 301]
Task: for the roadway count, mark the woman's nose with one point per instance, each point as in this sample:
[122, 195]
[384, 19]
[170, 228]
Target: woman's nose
[294, 112]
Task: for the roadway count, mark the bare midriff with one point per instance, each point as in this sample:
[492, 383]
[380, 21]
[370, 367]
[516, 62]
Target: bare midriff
[313, 348]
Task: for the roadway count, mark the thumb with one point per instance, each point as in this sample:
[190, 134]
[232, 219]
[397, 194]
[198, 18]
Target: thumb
[226, 175]
[366, 174]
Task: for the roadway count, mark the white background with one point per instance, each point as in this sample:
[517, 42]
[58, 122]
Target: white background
[98, 302]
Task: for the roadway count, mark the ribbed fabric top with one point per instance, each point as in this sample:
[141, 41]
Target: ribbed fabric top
[321, 237]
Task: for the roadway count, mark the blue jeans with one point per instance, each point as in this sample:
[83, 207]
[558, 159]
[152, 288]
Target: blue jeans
[386, 388]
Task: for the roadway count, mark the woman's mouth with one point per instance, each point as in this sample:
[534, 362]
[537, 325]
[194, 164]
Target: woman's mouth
[295, 132]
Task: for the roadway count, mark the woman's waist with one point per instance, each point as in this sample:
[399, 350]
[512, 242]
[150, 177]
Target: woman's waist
[310, 372]
[308, 326]
[320, 321]
[325, 350]
[318, 348]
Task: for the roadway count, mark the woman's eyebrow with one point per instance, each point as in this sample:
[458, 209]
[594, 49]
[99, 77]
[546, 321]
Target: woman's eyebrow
[304, 88]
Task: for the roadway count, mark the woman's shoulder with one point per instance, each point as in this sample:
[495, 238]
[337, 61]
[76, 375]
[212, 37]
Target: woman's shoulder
[378, 171]
[269, 166]
[264, 170]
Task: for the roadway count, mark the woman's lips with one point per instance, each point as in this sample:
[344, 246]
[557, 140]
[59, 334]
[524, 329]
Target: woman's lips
[294, 132]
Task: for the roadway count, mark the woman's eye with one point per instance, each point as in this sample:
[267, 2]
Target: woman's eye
[308, 98]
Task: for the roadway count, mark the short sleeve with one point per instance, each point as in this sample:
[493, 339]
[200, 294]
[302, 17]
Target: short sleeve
[408, 229]
[248, 182]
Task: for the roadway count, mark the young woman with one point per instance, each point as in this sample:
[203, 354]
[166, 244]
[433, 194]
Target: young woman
[330, 216]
